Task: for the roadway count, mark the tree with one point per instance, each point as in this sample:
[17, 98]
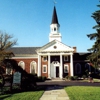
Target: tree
[6, 42]
[95, 49]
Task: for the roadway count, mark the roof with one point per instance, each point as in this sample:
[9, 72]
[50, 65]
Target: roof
[23, 50]
[32, 51]
[81, 56]
[54, 17]
[54, 47]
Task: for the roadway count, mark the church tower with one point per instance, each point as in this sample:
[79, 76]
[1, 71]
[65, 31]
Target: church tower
[54, 28]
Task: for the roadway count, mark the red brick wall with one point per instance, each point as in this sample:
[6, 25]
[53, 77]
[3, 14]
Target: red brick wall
[27, 63]
[29, 60]
[44, 63]
[66, 63]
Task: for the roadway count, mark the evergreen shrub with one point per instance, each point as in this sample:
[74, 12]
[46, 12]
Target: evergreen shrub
[75, 77]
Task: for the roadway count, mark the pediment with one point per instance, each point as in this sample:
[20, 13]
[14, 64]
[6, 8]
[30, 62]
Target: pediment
[55, 46]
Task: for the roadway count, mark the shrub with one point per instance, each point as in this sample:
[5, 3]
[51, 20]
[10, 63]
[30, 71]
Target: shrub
[41, 78]
[8, 78]
[67, 77]
[84, 76]
[35, 74]
[28, 82]
[71, 78]
[75, 77]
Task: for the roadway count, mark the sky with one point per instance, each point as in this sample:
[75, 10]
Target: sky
[29, 21]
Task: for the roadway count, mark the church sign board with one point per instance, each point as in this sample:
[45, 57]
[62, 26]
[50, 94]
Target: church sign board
[17, 77]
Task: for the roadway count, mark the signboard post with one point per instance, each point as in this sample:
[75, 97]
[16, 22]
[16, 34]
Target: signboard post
[17, 78]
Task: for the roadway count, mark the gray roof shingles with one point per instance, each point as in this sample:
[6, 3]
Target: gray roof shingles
[23, 50]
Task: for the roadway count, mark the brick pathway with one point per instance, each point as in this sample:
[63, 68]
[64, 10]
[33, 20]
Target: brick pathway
[55, 93]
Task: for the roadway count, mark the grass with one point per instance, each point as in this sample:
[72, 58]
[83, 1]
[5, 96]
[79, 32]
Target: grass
[22, 95]
[74, 93]
[86, 80]
[94, 80]
[32, 95]
[83, 92]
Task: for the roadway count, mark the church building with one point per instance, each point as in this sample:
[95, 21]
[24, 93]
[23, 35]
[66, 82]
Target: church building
[53, 60]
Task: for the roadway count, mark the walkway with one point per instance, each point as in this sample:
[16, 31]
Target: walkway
[55, 89]
[54, 93]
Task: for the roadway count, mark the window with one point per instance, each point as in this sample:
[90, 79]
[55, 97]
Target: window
[66, 69]
[88, 67]
[44, 68]
[55, 47]
[78, 68]
[54, 29]
[33, 67]
[45, 58]
[65, 58]
[21, 64]
[8, 69]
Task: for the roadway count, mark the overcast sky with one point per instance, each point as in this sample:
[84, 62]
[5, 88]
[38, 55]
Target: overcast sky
[29, 21]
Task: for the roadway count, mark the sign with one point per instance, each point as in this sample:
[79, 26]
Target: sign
[17, 77]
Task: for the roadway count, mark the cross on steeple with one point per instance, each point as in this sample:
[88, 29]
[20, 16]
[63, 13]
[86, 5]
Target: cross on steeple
[54, 2]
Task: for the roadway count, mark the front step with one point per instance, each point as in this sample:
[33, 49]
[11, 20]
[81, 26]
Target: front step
[55, 79]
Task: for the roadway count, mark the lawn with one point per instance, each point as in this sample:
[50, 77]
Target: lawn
[32, 95]
[83, 92]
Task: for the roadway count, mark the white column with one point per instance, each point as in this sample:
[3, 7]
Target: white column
[71, 65]
[49, 76]
[39, 65]
[61, 70]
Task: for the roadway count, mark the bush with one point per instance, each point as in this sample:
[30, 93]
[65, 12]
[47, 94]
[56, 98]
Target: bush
[75, 77]
[41, 78]
[28, 82]
[8, 78]
[84, 76]
[67, 77]
[71, 78]
[34, 74]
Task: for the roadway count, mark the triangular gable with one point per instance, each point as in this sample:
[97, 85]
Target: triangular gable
[55, 46]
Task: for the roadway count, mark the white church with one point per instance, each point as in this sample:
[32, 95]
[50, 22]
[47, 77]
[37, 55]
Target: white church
[54, 59]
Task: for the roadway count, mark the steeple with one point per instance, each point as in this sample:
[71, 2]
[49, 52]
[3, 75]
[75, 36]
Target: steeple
[54, 17]
[54, 27]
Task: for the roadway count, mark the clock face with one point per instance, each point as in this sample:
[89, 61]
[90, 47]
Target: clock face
[55, 47]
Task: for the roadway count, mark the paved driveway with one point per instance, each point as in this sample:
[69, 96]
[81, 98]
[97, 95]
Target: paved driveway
[67, 83]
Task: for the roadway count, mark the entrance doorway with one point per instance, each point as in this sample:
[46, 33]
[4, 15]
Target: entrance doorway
[57, 71]
[54, 69]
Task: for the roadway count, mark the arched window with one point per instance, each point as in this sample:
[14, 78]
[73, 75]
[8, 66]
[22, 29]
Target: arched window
[33, 67]
[88, 67]
[78, 68]
[54, 28]
[8, 68]
[22, 65]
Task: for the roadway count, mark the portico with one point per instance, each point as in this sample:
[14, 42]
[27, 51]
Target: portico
[55, 60]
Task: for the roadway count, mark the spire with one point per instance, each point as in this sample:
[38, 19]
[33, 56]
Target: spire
[54, 17]
[54, 28]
